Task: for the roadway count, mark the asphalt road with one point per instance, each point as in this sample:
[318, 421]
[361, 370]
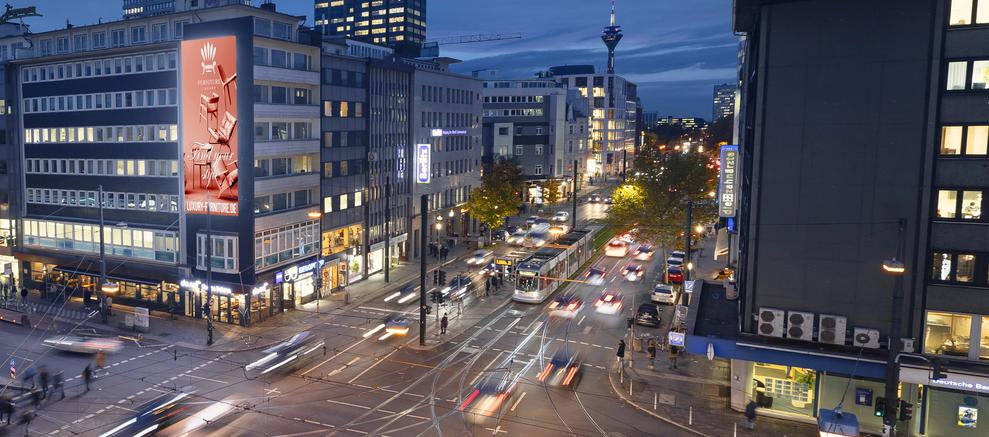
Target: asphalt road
[362, 385]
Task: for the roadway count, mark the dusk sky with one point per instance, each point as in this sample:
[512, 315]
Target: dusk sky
[675, 50]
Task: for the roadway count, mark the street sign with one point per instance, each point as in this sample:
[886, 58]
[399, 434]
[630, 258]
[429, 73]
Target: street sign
[727, 198]
[13, 370]
[676, 339]
[423, 166]
[142, 317]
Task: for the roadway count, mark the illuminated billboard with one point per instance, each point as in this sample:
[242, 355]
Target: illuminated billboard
[423, 166]
[209, 125]
[727, 197]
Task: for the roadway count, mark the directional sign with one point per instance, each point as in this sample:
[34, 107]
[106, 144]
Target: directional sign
[676, 339]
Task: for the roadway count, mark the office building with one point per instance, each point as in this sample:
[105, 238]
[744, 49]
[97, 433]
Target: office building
[649, 119]
[446, 129]
[827, 170]
[153, 8]
[724, 101]
[12, 41]
[237, 167]
[688, 123]
[400, 24]
[537, 124]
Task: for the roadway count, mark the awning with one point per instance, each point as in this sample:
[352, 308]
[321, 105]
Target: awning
[117, 277]
[721, 243]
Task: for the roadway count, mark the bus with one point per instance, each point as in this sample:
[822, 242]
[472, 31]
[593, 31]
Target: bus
[539, 275]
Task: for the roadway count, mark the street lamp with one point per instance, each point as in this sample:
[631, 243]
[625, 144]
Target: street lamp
[894, 266]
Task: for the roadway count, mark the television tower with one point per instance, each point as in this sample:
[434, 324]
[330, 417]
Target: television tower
[611, 35]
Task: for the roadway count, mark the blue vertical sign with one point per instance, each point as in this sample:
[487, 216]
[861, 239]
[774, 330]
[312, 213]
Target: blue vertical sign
[423, 167]
[727, 198]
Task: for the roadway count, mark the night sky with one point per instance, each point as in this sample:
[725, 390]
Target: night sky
[675, 50]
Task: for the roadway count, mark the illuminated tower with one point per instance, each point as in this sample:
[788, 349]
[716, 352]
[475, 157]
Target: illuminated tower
[611, 35]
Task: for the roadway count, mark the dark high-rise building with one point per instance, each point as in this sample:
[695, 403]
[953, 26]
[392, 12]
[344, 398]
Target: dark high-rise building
[400, 24]
[861, 179]
[724, 101]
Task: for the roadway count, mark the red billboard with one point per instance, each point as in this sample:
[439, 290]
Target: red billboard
[209, 125]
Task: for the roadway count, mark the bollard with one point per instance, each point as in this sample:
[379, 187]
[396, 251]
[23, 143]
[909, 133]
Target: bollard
[630, 388]
[735, 433]
[690, 415]
[655, 396]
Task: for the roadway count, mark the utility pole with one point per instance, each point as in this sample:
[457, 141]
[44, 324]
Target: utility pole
[686, 244]
[100, 292]
[624, 163]
[209, 274]
[387, 227]
[895, 343]
[423, 209]
[573, 217]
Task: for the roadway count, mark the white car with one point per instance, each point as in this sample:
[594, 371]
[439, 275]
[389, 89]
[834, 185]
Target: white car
[479, 258]
[517, 239]
[610, 302]
[664, 293]
[616, 248]
[561, 216]
[678, 254]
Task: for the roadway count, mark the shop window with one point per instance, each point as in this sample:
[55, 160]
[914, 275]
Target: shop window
[956, 75]
[784, 388]
[947, 334]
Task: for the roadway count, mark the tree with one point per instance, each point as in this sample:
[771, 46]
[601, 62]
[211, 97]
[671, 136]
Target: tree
[653, 202]
[507, 173]
[552, 190]
[499, 195]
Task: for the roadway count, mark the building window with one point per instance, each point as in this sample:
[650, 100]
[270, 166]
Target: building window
[956, 75]
[518, 150]
[949, 333]
[118, 38]
[99, 40]
[975, 140]
[959, 204]
[954, 267]
[343, 202]
[539, 169]
[328, 204]
[539, 149]
[966, 12]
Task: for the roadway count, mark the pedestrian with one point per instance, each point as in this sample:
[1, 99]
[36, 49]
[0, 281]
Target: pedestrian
[443, 323]
[109, 306]
[674, 354]
[29, 375]
[59, 384]
[487, 287]
[26, 418]
[651, 349]
[36, 398]
[6, 407]
[621, 354]
[23, 295]
[43, 380]
[750, 415]
[87, 376]
[100, 359]
[86, 295]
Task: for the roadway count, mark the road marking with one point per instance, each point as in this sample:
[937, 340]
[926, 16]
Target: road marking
[208, 379]
[496, 430]
[485, 369]
[382, 310]
[581, 320]
[364, 407]
[269, 391]
[371, 366]
[516, 404]
[334, 356]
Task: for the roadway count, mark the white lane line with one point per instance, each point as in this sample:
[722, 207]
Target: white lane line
[334, 356]
[371, 366]
[344, 367]
[208, 379]
[578, 322]
[485, 369]
[516, 404]
[382, 310]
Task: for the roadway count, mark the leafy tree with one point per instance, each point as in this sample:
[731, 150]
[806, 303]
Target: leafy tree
[505, 173]
[499, 195]
[552, 190]
[654, 200]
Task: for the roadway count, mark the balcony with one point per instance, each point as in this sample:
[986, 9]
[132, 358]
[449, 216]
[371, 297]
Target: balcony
[277, 74]
[278, 111]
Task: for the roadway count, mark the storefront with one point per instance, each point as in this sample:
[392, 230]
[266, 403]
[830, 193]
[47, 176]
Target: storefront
[297, 284]
[228, 305]
[950, 406]
[376, 258]
[66, 281]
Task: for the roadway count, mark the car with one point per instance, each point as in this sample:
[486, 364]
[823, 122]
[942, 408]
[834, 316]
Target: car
[633, 272]
[616, 248]
[287, 355]
[674, 262]
[84, 343]
[405, 294]
[517, 238]
[608, 200]
[458, 287]
[644, 252]
[559, 228]
[531, 220]
[489, 396]
[594, 276]
[594, 198]
[678, 254]
[479, 258]
[564, 370]
[397, 324]
[674, 275]
[154, 415]
[663, 293]
[561, 216]
[542, 221]
[565, 305]
[610, 302]
[489, 270]
[536, 239]
[627, 237]
[647, 315]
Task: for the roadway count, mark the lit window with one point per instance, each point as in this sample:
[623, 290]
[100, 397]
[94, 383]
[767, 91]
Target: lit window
[956, 75]
[947, 204]
[961, 13]
[328, 204]
[358, 198]
[343, 202]
[947, 333]
[980, 75]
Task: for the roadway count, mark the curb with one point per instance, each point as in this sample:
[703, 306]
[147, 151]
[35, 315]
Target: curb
[621, 395]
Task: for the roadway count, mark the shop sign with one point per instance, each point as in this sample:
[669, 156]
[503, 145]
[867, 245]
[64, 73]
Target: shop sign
[448, 132]
[726, 181]
[297, 271]
[676, 339]
[261, 289]
[504, 262]
[198, 285]
[863, 396]
[954, 381]
[423, 166]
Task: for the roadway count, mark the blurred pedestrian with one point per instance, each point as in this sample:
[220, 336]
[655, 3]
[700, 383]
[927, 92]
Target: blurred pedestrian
[29, 375]
[651, 349]
[621, 354]
[87, 376]
[86, 295]
[23, 295]
[750, 415]
[674, 355]
[443, 324]
[59, 384]
[6, 407]
[100, 359]
[35, 398]
[26, 418]
[43, 380]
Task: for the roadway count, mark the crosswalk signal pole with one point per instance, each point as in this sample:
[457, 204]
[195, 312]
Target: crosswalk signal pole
[424, 229]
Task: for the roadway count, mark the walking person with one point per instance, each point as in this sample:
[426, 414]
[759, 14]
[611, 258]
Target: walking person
[443, 324]
[43, 380]
[29, 375]
[100, 359]
[6, 407]
[621, 354]
[23, 295]
[750, 415]
[36, 398]
[87, 376]
[58, 384]
[674, 355]
[651, 349]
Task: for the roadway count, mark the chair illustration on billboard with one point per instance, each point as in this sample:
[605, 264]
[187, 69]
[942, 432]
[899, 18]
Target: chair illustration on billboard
[209, 106]
[223, 134]
[226, 81]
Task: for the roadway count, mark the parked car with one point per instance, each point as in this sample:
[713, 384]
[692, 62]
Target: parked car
[647, 315]
[674, 275]
[664, 293]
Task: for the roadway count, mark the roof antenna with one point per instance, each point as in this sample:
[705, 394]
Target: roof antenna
[612, 12]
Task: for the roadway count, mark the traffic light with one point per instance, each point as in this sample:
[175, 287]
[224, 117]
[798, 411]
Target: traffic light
[429, 309]
[436, 296]
[880, 407]
[938, 370]
[442, 278]
[906, 410]
[436, 277]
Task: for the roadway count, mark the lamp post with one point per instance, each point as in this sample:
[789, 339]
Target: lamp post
[318, 282]
[209, 274]
[896, 268]
[105, 285]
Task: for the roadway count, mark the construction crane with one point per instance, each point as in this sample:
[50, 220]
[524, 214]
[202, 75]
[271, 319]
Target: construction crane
[431, 49]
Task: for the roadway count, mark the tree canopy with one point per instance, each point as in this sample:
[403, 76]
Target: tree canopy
[498, 197]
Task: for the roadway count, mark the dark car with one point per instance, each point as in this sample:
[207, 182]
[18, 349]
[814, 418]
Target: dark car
[154, 415]
[565, 305]
[647, 315]
[564, 370]
[674, 275]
